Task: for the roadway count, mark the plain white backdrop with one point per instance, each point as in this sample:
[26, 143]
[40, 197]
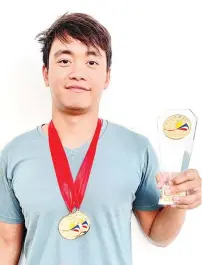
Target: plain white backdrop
[156, 64]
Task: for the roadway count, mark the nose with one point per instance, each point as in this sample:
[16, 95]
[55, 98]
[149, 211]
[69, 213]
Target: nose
[77, 73]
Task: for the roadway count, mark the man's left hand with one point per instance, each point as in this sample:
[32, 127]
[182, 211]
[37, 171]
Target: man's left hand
[188, 181]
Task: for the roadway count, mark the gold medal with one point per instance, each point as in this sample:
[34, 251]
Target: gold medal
[74, 225]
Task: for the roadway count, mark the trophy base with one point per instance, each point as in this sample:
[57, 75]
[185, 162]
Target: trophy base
[165, 202]
[168, 199]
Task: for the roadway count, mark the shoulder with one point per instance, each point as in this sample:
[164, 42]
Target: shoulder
[18, 143]
[127, 136]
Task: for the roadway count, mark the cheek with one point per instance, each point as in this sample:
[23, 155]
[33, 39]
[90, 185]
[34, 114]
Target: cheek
[57, 77]
[98, 80]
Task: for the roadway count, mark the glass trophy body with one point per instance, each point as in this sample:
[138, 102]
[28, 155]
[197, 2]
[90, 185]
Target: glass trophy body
[176, 133]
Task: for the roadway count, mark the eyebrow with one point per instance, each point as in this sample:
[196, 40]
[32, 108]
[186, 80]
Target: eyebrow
[69, 52]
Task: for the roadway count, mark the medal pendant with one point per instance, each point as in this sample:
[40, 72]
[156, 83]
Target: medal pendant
[74, 225]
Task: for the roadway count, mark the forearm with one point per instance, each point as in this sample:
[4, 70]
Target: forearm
[167, 225]
[9, 254]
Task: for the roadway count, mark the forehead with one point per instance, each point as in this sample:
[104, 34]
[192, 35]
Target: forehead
[75, 46]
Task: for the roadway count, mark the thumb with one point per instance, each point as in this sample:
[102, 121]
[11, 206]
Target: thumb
[162, 178]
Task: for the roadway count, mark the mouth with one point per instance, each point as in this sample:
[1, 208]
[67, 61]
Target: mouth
[77, 88]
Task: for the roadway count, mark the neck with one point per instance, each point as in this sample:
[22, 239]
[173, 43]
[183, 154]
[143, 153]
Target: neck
[74, 130]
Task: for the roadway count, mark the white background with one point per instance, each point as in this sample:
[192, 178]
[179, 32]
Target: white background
[157, 64]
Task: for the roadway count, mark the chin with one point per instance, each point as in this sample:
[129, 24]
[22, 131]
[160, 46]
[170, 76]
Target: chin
[76, 110]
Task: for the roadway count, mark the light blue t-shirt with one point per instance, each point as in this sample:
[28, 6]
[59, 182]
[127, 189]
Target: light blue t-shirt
[122, 178]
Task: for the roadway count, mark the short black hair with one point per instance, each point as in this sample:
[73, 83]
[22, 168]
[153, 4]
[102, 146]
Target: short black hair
[79, 26]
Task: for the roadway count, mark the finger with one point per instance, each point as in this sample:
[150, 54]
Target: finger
[172, 176]
[187, 199]
[186, 186]
[193, 191]
[170, 183]
[188, 175]
[159, 179]
[162, 178]
[182, 177]
[187, 206]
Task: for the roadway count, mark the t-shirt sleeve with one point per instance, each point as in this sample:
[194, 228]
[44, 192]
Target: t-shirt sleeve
[147, 194]
[10, 210]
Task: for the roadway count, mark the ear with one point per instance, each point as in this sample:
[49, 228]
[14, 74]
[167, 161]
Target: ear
[45, 75]
[108, 76]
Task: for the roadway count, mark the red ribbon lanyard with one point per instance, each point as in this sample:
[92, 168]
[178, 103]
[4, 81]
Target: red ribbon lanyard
[72, 192]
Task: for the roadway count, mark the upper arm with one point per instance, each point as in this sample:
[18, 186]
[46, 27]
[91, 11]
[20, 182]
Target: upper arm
[147, 195]
[11, 242]
[12, 228]
[145, 219]
[12, 234]
[146, 204]
[11, 216]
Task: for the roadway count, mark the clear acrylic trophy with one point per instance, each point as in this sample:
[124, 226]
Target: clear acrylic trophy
[176, 133]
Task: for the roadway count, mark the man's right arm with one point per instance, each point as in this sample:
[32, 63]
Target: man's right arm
[11, 243]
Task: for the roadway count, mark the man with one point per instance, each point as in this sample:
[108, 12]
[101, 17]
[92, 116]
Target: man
[68, 188]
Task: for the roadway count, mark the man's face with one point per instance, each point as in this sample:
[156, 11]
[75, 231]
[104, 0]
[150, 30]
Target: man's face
[73, 64]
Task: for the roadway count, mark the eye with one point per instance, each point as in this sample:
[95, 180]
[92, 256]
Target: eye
[64, 62]
[93, 63]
